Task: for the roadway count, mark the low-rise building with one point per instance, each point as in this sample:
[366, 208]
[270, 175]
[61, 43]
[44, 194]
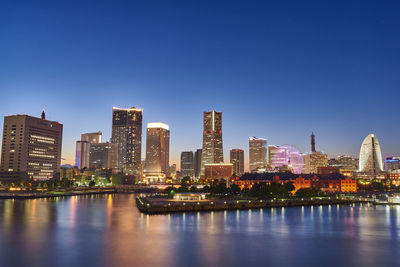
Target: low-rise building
[218, 171]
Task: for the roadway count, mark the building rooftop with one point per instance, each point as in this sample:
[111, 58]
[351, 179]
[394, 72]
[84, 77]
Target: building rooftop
[289, 176]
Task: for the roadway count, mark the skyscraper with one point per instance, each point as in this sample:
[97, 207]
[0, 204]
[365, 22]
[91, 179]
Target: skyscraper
[82, 154]
[197, 163]
[257, 153]
[237, 159]
[83, 148]
[212, 138]
[103, 155]
[312, 142]
[370, 156]
[187, 164]
[31, 147]
[92, 137]
[313, 161]
[127, 133]
[277, 156]
[157, 152]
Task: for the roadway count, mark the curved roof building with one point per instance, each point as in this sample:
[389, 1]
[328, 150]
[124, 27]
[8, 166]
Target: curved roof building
[370, 155]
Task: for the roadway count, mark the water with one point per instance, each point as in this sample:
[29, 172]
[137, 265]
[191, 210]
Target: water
[108, 230]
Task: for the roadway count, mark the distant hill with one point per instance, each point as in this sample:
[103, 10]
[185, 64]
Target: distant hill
[67, 166]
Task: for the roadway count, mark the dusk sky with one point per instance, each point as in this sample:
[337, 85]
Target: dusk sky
[276, 69]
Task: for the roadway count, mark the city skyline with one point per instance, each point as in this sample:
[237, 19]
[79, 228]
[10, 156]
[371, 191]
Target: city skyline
[175, 159]
[321, 82]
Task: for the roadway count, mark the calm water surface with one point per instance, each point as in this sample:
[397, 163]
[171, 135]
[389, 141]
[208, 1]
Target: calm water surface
[108, 230]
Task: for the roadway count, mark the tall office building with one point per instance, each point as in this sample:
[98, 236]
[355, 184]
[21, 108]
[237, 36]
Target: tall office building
[344, 162]
[312, 142]
[157, 152]
[103, 155]
[278, 156]
[82, 154]
[187, 164]
[212, 139]
[314, 161]
[127, 133]
[197, 163]
[31, 147]
[92, 137]
[83, 148]
[237, 159]
[257, 153]
[392, 163]
[371, 156]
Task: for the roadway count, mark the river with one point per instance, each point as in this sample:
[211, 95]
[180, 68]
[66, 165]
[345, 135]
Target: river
[108, 230]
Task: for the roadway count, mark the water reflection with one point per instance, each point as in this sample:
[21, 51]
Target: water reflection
[107, 230]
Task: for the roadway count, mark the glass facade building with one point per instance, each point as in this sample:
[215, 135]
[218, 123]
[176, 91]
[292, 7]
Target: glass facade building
[257, 153]
[127, 134]
[212, 139]
[237, 159]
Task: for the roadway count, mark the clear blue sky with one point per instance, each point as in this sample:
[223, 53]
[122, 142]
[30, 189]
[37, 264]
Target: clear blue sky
[276, 69]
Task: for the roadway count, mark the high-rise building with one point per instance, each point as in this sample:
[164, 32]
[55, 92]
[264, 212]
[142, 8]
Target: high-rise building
[82, 154]
[83, 148]
[370, 156]
[313, 161]
[103, 155]
[212, 139]
[277, 156]
[92, 137]
[187, 164]
[157, 152]
[127, 133]
[312, 142]
[197, 163]
[392, 163]
[344, 162]
[237, 159]
[257, 153]
[31, 147]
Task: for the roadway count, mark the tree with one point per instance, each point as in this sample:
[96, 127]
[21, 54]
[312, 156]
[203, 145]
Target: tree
[268, 191]
[206, 189]
[307, 192]
[185, 181]
[235, 189]
[220, 189]
[289, 186]
[170, 190]
[116, 179]
[193, 189]
[376, 186]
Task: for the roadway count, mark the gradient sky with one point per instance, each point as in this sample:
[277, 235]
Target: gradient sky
[276, 69]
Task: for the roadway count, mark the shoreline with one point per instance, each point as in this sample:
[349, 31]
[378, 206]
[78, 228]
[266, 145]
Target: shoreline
[50, 195]
[164, 206]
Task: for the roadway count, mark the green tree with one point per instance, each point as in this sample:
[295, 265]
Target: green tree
[205, 189]
[170, 190]
[185, 181]
[220, 189]
[116, 179]
[235, 189]
[193, 189]
[307, 192]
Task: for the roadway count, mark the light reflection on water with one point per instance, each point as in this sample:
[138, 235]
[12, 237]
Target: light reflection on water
[108, 230]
